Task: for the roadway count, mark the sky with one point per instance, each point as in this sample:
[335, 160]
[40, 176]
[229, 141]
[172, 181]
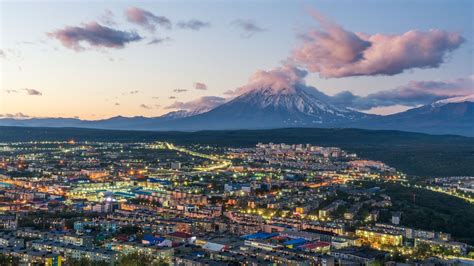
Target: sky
[98, 59]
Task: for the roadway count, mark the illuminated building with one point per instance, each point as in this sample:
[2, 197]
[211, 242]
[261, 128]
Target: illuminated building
[378, 238]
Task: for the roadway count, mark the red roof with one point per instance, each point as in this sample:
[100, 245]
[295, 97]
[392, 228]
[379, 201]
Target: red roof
[318, 244]
[322, 244]
[180, 235]
[278, 238]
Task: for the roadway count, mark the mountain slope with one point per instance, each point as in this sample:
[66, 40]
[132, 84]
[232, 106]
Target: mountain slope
[443, 117]
[116, 122]
[268, 108]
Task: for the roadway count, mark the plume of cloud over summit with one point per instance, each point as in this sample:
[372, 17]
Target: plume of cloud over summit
[333, 51]
[281, 78]
[146, 19]
[95, 35]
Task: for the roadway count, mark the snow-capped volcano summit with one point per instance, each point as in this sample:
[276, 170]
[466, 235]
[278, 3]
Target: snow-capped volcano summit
[292, 106]
[270, 108]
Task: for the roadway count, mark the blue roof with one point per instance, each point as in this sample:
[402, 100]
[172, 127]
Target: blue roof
[259, 235]
[152, 239]
[125, 194]
[161, 181]
[149, 237]
[295, 242]
[141, 192]
[3, 184]
[79, 180]
[282, 225]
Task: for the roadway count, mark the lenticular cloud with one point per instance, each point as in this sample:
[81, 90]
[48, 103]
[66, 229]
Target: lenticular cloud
[333, 51]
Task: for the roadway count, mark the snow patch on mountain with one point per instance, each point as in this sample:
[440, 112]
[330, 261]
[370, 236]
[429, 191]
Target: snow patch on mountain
[467, 98]
[298, 105]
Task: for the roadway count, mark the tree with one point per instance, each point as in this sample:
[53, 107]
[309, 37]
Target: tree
[129, 230]
[8, 260]
[84, 262]
[135, 259]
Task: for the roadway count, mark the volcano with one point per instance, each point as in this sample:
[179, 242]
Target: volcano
[270, 108]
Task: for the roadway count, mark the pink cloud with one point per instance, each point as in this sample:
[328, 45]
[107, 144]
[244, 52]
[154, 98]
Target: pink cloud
[108, 18]
[95, 35]
[411, 94]
[200, 86]
[144, 106]
[33, 92]
[281, 78]
[333, 51]
[146, 19]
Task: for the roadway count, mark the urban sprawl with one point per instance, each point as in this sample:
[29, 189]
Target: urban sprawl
[94, 203]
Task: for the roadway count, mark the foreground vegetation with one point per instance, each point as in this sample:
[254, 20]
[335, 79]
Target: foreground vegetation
[429, 210]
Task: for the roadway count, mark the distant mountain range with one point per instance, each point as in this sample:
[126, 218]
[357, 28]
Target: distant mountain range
[436, 118]
[296, 107]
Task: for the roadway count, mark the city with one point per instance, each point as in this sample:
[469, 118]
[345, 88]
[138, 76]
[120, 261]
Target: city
[103, 203]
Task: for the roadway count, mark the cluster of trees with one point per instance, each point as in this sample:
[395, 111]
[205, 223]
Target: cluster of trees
[84, 262]
[129, 230]
[41, 220]
[424, 251]
[429, 210]
[8, 260]
[133, 259]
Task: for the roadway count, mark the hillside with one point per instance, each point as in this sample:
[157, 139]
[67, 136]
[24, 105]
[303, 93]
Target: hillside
[414, 153]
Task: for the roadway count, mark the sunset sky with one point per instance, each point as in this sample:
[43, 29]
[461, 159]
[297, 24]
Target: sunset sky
[95, 60]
